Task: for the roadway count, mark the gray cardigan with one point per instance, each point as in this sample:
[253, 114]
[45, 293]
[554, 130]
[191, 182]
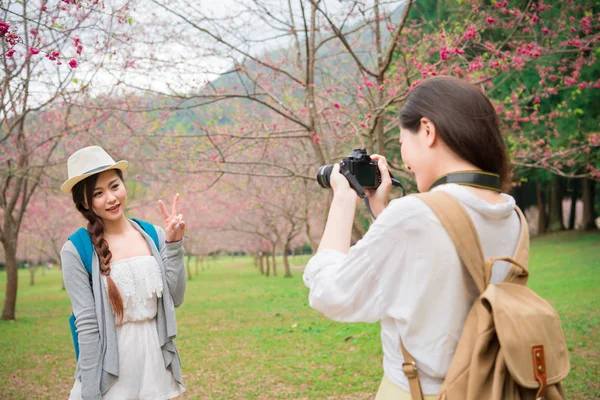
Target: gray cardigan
[98, 364]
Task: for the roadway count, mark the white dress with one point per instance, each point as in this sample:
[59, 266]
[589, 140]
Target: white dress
[142, 374]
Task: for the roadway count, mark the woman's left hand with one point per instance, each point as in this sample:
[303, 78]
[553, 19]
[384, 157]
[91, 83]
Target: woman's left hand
[339, 184]
[174, 223]
[379, 198]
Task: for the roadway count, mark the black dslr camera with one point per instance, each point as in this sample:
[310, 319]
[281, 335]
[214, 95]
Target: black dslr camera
[359, 164]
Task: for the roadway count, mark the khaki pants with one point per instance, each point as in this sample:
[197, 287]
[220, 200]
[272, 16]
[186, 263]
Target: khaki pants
[389, 391]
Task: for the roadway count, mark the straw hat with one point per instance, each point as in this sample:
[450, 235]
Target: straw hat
[86, 162]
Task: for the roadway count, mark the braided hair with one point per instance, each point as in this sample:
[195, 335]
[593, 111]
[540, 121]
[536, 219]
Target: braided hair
[85, 190]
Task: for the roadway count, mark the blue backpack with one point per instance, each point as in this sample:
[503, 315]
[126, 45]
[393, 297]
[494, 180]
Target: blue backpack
[83, 243]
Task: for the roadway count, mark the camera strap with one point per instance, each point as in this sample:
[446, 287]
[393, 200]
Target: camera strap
[397, 183]
[354, 184]
[478, 179]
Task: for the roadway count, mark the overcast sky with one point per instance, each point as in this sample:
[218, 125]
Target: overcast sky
[167, 54]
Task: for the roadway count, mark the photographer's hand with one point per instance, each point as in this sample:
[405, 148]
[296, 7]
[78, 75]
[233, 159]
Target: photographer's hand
[338, 229]
[339, 183]
[379, 198]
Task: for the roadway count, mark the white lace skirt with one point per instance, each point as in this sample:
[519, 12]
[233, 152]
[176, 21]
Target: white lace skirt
[142, 374]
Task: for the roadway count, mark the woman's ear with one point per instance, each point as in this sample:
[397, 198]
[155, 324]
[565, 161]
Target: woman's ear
[430, 131]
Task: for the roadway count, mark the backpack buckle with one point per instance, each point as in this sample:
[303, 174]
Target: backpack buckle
[539, 370]
[410, 369]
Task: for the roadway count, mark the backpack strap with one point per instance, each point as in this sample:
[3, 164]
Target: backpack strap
[409, 367]
[460, 228]
[457, 222]
[150, 230]
[83, 244]
[521, 256]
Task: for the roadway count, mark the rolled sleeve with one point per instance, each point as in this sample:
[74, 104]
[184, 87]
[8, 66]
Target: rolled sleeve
[318, 262]
[172, 255]
[343, 286]
[358, 286]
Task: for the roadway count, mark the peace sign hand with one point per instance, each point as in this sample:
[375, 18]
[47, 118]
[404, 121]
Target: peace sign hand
[174, 223]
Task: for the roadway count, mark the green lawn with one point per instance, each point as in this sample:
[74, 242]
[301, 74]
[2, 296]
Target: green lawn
[242, 335]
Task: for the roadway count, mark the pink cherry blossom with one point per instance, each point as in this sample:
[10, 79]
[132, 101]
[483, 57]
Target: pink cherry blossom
[471, 32]
[444, 53]
[4, 28]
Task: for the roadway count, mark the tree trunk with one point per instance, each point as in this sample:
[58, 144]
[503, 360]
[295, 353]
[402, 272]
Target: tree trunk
[310, 97]
[196, 262]
[12, 276]
[286, 262]
[555, 207]
[573, 211]
[268, 265]
[588, 197]
[188, 268]
[261, 265]
[32, 271]
[59, 267]
[541, 205]
[311, 240]
[274, 255]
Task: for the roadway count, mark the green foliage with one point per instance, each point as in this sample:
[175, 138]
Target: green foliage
[544, 86]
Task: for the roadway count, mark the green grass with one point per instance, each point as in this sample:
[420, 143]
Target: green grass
[242, 335]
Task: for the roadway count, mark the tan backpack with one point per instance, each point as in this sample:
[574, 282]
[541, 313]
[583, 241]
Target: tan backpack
[512, 346]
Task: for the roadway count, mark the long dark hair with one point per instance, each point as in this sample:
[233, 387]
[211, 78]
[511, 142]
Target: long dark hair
[83, 193]
[464, 119]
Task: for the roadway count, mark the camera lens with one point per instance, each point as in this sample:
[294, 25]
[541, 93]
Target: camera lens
[323, 175]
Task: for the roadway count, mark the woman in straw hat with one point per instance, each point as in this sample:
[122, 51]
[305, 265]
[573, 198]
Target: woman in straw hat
[125, 311]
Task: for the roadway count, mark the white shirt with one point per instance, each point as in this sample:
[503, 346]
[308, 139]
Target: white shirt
[142, 372]
[406, 273]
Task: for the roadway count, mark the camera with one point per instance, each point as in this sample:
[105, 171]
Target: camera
[359, 164]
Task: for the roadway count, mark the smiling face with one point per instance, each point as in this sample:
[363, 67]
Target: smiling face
[109, 196]
[418, 154]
